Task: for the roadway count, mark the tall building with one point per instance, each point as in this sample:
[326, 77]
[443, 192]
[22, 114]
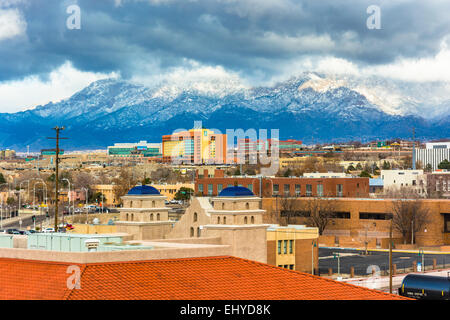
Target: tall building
[433, 154]
[135, 150]
[198, 146]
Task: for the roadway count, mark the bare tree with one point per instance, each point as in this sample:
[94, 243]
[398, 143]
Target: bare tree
[289, 208]
[320, 211]
[123, 183]
[408, 217]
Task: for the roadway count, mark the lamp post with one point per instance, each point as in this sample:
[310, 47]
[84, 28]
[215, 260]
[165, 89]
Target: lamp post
[20, 189]
[68, 195]
[86, 207]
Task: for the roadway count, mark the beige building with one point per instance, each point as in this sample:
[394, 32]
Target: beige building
[144, 214]
[169, 190]
[108, 192]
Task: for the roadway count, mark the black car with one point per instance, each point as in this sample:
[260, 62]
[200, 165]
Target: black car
[12, 231]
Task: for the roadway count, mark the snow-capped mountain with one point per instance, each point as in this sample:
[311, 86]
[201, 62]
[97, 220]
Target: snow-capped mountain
[309, 107]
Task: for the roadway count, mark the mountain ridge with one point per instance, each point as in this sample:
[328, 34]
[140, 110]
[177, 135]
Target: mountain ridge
[310, 107]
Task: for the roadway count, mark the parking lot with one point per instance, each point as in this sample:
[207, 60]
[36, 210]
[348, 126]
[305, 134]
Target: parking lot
[380, 259]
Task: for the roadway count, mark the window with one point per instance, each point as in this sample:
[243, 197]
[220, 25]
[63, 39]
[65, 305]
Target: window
[158, 217]
[252, 219]
[291, 246]
[308, 190]
[285, 247]
[127, 216]
[291, 267]
[192, 231]
[276, 189]
[151, 217]
[339, 190]
[245, 220]
[342, 215]
[198, 231]
[131, 204]
[297, 190]
[153, 203]
[320, 190]
[218, 220]
[200, 188]
[219, 188]
[132, 217]
[224, 220]
[446, 222]
[279, 246]
[374, 215]
[210, 189]
[195, 216]
[286, 190]
[223, 206]
[247, 206]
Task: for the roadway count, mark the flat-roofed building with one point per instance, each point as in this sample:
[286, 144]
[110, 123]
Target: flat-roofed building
[141, 149]
[195, 146]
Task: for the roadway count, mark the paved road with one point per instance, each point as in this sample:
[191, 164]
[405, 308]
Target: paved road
[361, 262]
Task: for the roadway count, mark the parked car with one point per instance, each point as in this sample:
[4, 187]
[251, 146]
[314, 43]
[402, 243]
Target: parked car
[12, 231]
[48, 230]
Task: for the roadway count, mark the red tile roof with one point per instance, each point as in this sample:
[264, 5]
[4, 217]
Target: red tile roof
[209, 278]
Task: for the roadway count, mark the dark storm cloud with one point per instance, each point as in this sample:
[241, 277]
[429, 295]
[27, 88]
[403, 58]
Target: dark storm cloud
[248, 36]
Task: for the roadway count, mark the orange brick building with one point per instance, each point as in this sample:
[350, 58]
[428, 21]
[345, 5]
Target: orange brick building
[280, 186]
[361, 220]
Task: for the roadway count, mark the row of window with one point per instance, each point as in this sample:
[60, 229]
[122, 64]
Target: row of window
[283, 244]
[224, 220]
[287, 266]
[130, 217]
[308, 191]
[220, 188]
[340, 215]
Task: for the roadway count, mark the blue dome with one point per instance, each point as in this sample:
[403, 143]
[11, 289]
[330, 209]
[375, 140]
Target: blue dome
[143, 190]
[236, 192]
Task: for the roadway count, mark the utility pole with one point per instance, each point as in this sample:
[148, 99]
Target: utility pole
[390, 257]
[414, 150]
[57, 138]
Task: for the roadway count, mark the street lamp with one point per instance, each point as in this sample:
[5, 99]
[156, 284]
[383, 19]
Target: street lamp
[20, 189]
[86, 207]
[68, 196]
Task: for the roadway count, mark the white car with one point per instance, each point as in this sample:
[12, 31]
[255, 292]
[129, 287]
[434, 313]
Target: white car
[48, 230]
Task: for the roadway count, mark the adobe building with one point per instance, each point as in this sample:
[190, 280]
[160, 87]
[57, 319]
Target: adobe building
[234, 216]
[144, 214]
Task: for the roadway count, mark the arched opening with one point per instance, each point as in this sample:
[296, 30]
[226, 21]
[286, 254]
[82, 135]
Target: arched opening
[247, 206]
[192, 231]
[223, 206]
[198, 231]
[132, 217]
[153, 203]
[158, 217]
[224, 220]
[195, 216]
[245, 220]
[218, 220]
[252, 220]
[131, 204]
[127, 217]
[151, 217]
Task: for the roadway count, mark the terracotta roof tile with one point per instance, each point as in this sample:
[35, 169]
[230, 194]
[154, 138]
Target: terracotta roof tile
[209, 278]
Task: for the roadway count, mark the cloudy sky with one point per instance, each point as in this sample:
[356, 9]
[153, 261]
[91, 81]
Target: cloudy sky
[250, 42]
